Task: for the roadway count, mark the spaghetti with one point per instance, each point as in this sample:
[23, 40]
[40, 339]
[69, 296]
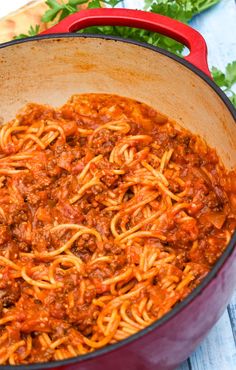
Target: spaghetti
[110, 214]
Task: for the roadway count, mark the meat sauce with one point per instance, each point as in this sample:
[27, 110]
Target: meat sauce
[110, 214]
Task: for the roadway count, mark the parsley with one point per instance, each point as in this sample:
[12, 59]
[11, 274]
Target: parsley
[98, 4]
[33, 31]
[226, 80]
[182, 10]
[61, 10]
[200, 5]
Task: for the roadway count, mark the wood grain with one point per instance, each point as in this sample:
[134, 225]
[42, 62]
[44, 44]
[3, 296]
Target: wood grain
[217, 351]
[20, 20]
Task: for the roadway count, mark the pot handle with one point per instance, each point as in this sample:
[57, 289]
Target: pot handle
[139, 19]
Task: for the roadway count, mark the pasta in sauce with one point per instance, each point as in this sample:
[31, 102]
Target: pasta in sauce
[110, 214]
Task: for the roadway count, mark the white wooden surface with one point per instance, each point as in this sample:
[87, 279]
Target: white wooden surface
[218, 26]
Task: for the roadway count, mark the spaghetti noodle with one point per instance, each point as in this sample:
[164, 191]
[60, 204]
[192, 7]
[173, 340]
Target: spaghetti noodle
[110, 214]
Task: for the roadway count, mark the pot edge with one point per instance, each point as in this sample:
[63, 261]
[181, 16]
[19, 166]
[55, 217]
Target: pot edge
[216, 268]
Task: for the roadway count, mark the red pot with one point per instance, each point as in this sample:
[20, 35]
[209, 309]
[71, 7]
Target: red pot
[50, 68]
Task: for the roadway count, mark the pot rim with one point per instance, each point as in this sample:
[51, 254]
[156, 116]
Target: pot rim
[218, 265]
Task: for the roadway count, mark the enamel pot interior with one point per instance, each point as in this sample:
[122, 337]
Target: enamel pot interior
[50, 69]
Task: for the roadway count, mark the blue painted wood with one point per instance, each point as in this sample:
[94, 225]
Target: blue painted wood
[184, 366]
[232, 315]
[218, 26]
[217, 351]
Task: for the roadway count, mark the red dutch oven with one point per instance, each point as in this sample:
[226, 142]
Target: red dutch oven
[53, 66]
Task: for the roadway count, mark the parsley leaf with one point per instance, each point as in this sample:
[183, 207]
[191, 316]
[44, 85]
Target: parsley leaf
[61, 10]
[226, 80]
[136, 34]
[98, 3]
[218, 76]
[182, 10]
[233, 99]
[200, 5]
[33, 31]
[94, 4]
[231, 74]
[112, 3]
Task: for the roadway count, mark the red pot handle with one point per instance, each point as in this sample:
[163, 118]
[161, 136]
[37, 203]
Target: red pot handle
[139, 19]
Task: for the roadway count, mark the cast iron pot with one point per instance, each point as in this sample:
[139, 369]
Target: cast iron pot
[51, 67]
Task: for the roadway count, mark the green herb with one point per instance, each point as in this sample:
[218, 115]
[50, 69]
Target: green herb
[33, 31]
[177, 9]
[94, 4]
[200, 5]
[136, 34]
[61, 10]
[226, 80]
[98, 4]
[182, 10]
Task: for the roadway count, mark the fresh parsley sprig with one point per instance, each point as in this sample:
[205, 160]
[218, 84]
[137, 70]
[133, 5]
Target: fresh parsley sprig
[226, 80]
[33, 31]
[61, 10]
[111, 3]
[182, 10]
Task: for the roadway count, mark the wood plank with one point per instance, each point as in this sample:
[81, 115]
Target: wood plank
[232, 315]
[218, 26]
[217, 351]
[184, 366]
